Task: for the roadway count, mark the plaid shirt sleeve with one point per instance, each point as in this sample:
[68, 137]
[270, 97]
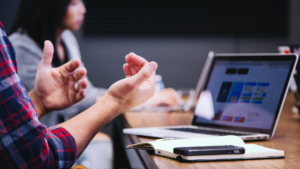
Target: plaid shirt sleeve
[24, 141]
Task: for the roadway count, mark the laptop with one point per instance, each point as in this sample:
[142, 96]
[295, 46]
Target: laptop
[237, 94]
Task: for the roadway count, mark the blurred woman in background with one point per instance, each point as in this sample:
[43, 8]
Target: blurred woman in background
[54, 20]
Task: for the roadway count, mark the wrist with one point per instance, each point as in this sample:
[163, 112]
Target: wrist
[38, 104]
[117, 105]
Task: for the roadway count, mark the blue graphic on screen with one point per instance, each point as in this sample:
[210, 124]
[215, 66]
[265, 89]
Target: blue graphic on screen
[248, 92]
[224, 91]
[236, 91]
[260, 93]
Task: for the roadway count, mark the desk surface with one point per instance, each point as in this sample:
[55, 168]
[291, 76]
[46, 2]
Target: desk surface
[287, 138]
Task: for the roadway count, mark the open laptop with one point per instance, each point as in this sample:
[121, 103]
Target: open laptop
[237, 94]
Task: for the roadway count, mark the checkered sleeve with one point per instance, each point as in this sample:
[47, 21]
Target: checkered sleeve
[24, 141]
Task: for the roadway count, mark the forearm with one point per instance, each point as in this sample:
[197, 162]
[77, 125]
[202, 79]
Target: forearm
[84, 126]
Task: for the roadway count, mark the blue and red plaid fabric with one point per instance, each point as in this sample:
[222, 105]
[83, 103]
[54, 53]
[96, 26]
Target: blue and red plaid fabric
[24, 141]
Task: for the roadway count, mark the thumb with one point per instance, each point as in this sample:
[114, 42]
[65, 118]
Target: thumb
[47, 54]
[144, 74]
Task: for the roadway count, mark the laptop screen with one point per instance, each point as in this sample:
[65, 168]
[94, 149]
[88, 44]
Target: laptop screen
[244, 93]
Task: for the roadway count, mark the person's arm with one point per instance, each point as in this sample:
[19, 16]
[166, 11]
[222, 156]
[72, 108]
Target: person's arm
[25, 142]
[137, 88]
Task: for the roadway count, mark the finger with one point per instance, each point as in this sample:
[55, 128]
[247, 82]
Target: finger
[70, 66]
[127, 70]
[80, 95]
[82, 85]
[79, 74]
[47, 54]
[135, 63]
[133, 70]
[144, 74]
[138, 68]
[134, 60]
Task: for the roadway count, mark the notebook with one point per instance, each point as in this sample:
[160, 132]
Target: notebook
[165, 148]
[237, 94]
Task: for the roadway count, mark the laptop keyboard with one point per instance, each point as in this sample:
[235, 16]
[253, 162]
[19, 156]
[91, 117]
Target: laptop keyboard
[202, 131]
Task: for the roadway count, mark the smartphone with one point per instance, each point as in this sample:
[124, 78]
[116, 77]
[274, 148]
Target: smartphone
[209, 150]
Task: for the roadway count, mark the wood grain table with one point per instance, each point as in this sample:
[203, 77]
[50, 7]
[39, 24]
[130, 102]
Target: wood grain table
[287, 138]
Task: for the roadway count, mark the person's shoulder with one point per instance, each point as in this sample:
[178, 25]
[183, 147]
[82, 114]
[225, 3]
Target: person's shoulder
[22, 40]
[71, 44]
[68, 35]
[18, 37]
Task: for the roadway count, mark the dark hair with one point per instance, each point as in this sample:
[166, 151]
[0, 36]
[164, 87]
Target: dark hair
[40, 20]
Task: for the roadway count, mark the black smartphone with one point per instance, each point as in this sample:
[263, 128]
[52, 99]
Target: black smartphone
[209, 150]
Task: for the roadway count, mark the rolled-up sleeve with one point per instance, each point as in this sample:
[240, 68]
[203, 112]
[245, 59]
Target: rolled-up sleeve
[63, 147]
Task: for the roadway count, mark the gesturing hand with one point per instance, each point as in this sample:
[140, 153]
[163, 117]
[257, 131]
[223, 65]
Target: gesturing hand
[139, 84]
[55, 87]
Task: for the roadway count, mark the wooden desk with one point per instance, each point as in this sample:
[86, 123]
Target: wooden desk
[287, 138]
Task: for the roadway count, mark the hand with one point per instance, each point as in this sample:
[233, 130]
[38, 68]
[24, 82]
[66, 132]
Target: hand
[137, 87]
[55, 87]
[167, 97]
